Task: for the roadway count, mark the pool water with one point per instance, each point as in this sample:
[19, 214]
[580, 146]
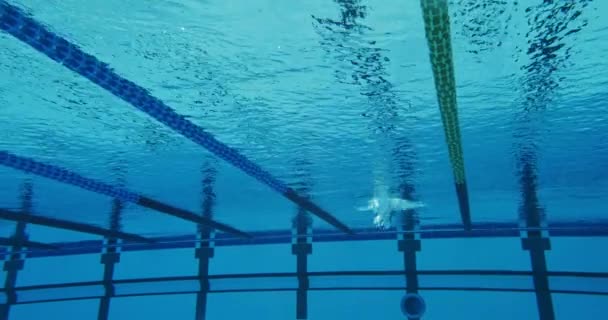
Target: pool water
[303, 160]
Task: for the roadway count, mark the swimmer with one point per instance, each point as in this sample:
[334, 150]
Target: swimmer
[384, 208]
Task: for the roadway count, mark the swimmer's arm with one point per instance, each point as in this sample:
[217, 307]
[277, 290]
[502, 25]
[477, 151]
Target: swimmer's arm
[368, 208]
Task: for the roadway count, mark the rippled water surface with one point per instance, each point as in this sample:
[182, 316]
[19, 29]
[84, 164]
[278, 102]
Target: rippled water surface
[332, 97]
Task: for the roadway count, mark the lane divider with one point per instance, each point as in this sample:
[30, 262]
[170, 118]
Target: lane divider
[437, 30]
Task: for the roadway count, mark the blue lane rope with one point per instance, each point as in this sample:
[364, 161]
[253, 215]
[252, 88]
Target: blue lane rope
[65, 176]
[68, 177]
[28, 30]
[438, 231]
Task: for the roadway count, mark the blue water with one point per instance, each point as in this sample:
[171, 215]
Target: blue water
[335, 99]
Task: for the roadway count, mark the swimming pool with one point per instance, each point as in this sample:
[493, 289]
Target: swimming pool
[179, 158]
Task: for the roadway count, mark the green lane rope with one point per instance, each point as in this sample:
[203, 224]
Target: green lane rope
[437, 29]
